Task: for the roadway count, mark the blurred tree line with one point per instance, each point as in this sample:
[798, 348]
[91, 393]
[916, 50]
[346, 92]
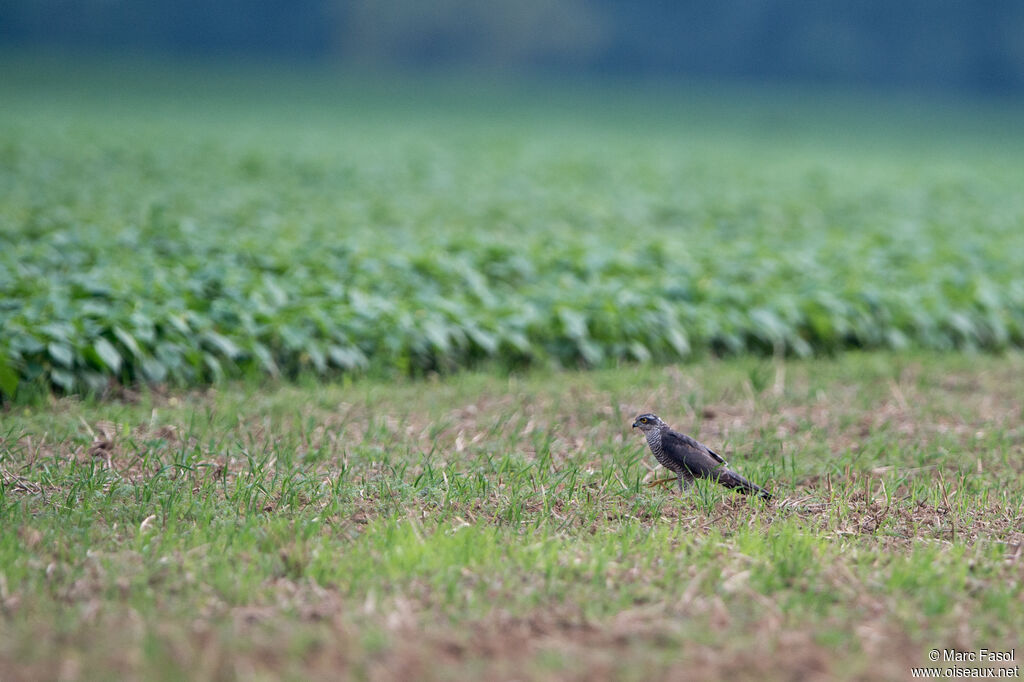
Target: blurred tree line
[959, 44]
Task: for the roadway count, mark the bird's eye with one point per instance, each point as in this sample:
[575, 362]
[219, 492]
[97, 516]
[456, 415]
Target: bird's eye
[643, 420]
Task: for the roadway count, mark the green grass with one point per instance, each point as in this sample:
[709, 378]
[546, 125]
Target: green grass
[481, 527]
[253, 291]
[182, 227]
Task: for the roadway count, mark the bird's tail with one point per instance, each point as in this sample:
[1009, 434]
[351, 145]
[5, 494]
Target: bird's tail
[730, 479]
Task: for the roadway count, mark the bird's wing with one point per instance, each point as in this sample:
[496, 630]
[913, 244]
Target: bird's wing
[714, 454]
[692, 454]
[703, 462]
[730, 479]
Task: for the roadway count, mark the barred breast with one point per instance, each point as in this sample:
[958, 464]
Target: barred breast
[654, 441]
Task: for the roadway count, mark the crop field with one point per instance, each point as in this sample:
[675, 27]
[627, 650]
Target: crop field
[320, 377]
[161, 227]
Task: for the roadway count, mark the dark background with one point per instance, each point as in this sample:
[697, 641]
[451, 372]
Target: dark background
[974, 46]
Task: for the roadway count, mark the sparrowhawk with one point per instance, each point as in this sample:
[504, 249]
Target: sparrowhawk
[689, 459]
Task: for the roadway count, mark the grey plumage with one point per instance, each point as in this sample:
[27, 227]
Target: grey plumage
[689, 459]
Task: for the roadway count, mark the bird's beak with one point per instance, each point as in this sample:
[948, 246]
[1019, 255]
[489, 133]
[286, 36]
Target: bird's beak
[636, 424]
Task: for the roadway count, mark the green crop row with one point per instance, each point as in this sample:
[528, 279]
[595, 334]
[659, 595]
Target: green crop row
[142, 242]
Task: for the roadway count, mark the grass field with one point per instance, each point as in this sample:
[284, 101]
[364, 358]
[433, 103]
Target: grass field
[291, 378]
[479, 527]
[181, 227]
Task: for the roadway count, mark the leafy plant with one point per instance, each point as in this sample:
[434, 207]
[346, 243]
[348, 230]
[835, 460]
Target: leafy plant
[185, 246]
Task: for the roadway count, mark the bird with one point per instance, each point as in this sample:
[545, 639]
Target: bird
[689, 459]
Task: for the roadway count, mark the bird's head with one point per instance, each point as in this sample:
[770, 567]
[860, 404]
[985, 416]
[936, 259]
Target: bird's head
[648, 422]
